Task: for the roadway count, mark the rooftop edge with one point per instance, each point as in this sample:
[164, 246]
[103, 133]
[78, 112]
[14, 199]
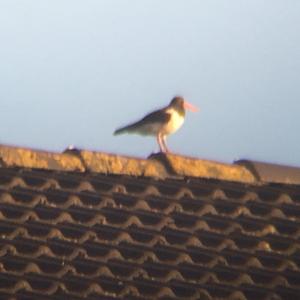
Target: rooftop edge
[158, 165]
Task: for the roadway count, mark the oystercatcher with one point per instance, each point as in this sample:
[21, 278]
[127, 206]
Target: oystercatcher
[161, 123]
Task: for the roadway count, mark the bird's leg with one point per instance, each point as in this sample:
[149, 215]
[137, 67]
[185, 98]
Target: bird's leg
[164, 143]
[160, 143]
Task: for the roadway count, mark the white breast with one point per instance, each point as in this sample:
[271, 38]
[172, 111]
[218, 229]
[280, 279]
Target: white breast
[174, 124]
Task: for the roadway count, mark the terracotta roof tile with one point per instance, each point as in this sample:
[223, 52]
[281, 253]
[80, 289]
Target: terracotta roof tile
[96, 230]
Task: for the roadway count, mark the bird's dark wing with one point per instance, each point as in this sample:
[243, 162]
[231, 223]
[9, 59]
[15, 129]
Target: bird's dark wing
[158, 116]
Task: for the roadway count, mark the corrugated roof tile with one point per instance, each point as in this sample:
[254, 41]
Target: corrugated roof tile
[102, 226]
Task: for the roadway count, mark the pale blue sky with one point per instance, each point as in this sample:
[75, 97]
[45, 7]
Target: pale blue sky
[72, 71]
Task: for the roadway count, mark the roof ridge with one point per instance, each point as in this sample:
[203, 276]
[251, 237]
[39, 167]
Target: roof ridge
[158, 166]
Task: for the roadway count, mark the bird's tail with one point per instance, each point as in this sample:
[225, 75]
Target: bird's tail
[126, 129]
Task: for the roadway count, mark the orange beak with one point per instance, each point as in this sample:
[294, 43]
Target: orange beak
[190, 106]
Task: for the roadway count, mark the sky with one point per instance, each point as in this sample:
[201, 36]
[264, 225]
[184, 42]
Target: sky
[72, 71]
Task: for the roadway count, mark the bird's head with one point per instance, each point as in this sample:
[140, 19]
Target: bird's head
[180, 104]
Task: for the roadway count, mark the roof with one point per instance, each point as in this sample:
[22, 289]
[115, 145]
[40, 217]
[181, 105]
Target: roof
[88, 225]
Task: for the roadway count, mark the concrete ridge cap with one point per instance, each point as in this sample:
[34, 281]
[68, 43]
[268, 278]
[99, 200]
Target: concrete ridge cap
[80, 161]
[158, 165]
[195, 167]
[12, 156]
[271, 172]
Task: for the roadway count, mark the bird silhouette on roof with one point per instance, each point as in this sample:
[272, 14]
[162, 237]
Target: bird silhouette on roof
[161, 123]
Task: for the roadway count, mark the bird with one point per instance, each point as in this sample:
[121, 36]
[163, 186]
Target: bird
[161, 123]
